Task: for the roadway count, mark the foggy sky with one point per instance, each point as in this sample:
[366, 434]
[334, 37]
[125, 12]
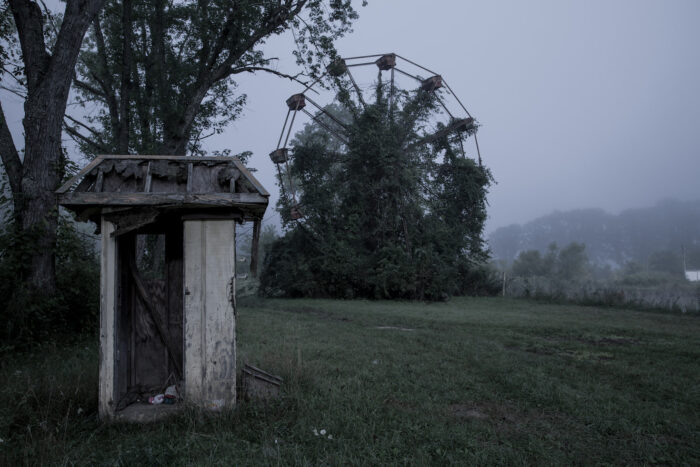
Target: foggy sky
[590, 103]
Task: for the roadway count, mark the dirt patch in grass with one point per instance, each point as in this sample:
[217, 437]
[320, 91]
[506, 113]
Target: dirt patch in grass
[549, 351]
[616, 341]
[467, 411]
[492, 411]
[316, 312]
[596, 340]
[399, 404]
[507, 418]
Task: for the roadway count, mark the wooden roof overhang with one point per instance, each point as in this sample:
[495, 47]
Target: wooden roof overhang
[146, 187]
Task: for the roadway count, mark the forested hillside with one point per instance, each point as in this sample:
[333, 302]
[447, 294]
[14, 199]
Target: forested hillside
[632, 235]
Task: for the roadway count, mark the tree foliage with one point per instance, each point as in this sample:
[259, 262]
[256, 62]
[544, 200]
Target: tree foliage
[162, 72]
[568, 264]
[27, 317]
[385, 217]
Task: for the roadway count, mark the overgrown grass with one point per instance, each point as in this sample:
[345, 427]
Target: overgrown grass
[471, 381]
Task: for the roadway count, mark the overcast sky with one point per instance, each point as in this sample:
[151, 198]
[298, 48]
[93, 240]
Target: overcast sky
[591, 103]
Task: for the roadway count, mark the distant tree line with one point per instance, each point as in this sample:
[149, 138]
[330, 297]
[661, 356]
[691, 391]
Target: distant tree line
[632, 235]
[571, 263]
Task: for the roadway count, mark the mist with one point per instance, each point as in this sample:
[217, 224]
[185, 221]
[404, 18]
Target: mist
[582, 104]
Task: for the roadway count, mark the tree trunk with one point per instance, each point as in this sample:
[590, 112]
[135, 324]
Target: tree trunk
[42, 155]
[49, 78]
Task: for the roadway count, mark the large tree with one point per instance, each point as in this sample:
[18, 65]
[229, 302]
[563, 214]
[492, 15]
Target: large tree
[163, 72]
[48, 58]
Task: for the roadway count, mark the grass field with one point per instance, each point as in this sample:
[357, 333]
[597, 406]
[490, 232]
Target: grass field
[471, 381]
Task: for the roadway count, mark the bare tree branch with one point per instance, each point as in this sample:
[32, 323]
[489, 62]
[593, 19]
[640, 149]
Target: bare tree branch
[10, 156]
[89, 88]
[77, 136]
[13, 91]
[13, 76]
[81, 124]
[253, 69]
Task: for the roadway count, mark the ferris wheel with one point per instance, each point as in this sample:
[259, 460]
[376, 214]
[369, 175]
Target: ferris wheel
[456, 119]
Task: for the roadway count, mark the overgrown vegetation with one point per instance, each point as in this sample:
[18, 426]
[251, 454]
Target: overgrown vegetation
[566, 275]
[384, 216]
[29, 317]
[468, 382]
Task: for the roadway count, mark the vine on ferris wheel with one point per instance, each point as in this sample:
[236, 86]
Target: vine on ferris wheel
[460, 123]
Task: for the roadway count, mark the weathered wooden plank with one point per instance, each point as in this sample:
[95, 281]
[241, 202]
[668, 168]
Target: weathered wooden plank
[149, 177]
[254, 248]
[100, 180]
[164, 157]
[131, 219]
[95, 162]
[189, 177]
[173, 262]
[210, 356]
[194, 278]
[163, 199]
[123, 321]
[108, 333]
[204, 179]
[151, 308]
[220, 323]
[247, 174]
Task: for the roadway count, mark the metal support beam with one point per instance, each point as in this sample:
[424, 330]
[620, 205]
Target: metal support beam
[357, 89]
[414, 63]
[457, 98]
[283, 127]
[409, 75]
[363, 56]
[328, 114]
[326, 127]
[477, 149]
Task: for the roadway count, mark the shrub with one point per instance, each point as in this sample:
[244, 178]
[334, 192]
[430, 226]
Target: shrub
[30, 316]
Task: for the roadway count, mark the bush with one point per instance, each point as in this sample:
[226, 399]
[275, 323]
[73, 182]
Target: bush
[30, 316]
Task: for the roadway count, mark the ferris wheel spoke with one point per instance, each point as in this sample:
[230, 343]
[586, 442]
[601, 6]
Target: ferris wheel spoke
[457, 98]
[357, 88]
[415, 64]
[363, 56]
[391, 93]
[328, 114]
[477, 149]
[444, 107]
[461, 145]
[408, 74]
[461, 125]
[283, 128]
[326, 127]
[314, 83]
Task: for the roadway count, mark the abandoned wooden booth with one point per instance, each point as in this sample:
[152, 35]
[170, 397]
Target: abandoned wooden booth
[167, 313]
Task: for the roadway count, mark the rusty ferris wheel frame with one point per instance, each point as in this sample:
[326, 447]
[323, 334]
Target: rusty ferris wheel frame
[464, 124]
